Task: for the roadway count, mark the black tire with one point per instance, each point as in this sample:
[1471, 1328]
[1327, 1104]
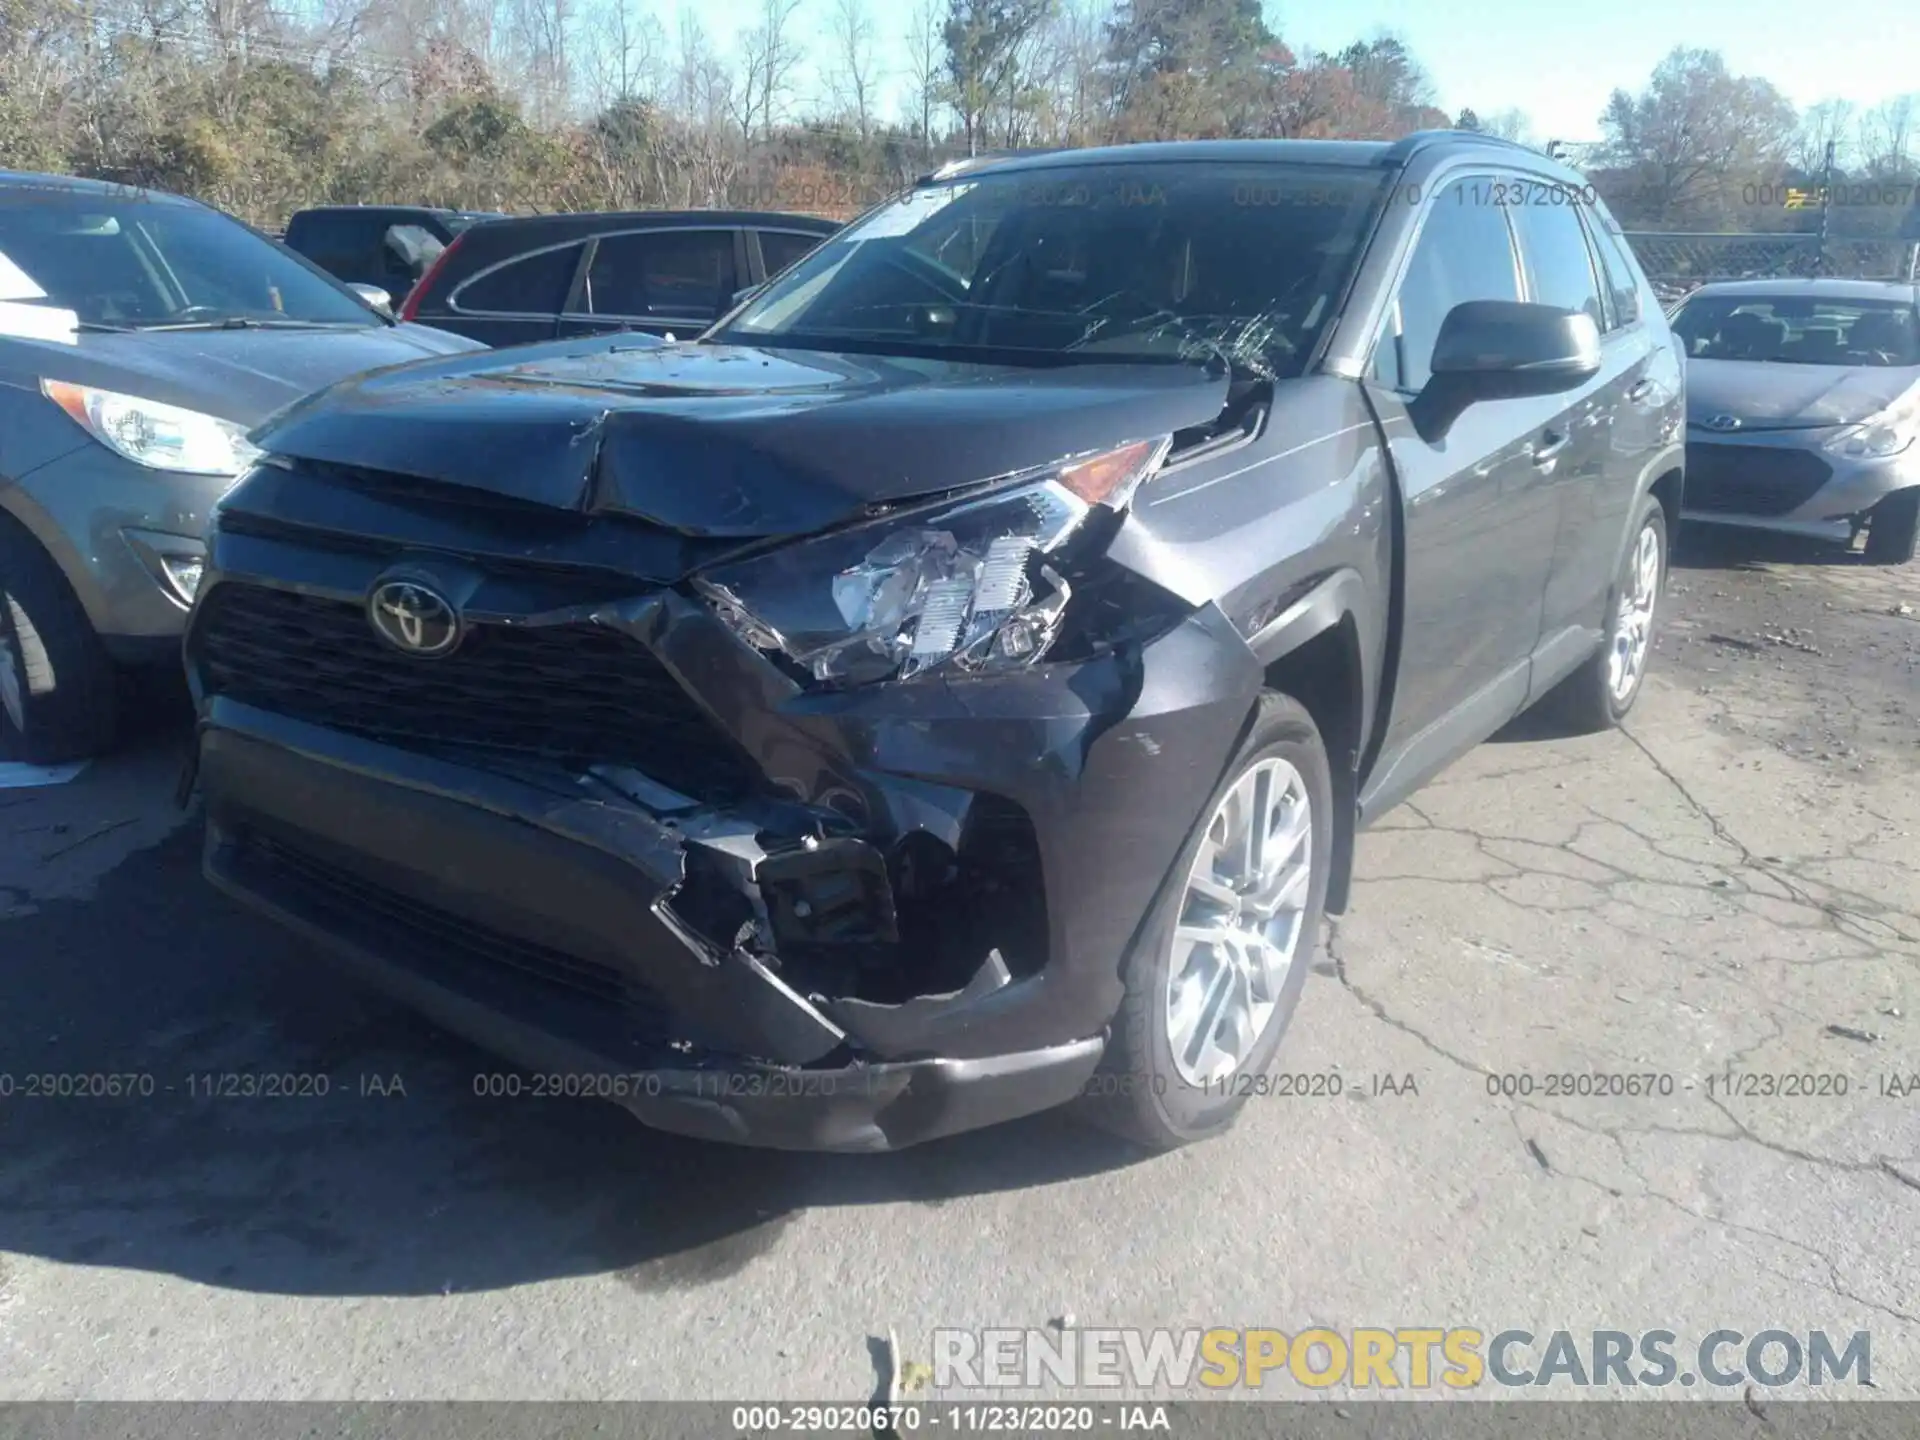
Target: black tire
[57, 674]
[1585, 703]
[1893, 529]
[1139, 1092]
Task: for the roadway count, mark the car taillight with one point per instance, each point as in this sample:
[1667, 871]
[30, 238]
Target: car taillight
[411, 306]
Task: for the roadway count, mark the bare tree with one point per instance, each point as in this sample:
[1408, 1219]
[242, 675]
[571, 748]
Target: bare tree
[855, 76]
[1889, 139]
[1690, 138]
[1831, 122]
[769, 56]
[626, 59]
[1511, 124]
[924, 67]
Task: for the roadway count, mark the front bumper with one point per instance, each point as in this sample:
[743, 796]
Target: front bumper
[110, 525]
[1784, 480]
[636, 942]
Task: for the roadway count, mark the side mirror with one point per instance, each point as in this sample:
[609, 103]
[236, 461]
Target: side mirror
[742, 296]
[376, 297]
[1504, 350]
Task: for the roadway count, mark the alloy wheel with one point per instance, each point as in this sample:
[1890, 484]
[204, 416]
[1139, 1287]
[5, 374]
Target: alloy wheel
[1238, 933]
[1633, 617]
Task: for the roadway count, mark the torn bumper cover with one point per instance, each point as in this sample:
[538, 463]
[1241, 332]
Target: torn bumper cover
[899, 916]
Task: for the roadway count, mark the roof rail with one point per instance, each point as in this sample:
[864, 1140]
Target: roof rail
[986, 157]
[1407, 146]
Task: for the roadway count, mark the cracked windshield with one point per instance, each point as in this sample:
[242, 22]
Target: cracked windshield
[734, 718]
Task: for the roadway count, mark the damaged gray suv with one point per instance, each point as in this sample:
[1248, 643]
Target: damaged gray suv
[950, 687]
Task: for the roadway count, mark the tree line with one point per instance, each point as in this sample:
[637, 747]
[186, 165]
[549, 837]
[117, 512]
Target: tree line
[264, 106]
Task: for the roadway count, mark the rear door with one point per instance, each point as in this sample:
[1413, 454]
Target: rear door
[516, 301]
[1594, 478]
[674, 281]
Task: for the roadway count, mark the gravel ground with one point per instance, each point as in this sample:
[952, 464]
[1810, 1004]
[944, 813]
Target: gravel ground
[1727, 886]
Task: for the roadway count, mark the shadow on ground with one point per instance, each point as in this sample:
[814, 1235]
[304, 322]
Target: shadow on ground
[1728, 547]
[399, 1179]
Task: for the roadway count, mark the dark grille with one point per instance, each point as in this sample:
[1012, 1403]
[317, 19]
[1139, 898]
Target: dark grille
[577, 694]
[432, 938]
[1751, 479]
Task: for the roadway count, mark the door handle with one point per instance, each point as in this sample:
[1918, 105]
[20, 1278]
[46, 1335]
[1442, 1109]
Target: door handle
[1548, 447]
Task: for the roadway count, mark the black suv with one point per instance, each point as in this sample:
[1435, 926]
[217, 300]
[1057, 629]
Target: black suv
[358, 243]
[950, 687]
[514, 281]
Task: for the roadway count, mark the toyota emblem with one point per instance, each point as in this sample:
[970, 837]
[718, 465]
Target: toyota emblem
[1724, 422]
[414, 618]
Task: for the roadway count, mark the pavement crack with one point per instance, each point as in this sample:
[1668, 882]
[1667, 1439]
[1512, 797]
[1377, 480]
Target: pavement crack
[1380, 1012]
[1849, 922]
[94, 834]
[1912, 1182]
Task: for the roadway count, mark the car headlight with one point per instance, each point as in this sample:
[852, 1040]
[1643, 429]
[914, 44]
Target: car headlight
[162, 437]
[1873, 441]
[964, 585]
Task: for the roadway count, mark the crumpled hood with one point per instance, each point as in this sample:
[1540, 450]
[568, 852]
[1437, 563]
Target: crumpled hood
[1767, 395]
[240, 375]
[726, 440]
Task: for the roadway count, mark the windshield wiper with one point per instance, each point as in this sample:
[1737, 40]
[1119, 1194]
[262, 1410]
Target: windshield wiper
[100, 327]
[248, 322]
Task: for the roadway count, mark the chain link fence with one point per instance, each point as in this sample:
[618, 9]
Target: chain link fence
[1678, 261]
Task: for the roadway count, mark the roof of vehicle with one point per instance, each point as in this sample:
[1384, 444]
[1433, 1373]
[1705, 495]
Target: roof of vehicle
[1829, 285]
[392, 209]
[1354, 153]
[75, 186]
[573, 220]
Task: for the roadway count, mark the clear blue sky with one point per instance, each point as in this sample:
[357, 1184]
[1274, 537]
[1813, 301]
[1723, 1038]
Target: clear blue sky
[1556, 61]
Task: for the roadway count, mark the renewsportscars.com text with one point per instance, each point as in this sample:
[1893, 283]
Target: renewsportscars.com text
[1400, 1358]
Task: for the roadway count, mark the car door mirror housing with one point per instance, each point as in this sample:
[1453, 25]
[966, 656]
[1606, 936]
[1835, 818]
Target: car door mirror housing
[1505, 350]
[741, 296]
[376, 297]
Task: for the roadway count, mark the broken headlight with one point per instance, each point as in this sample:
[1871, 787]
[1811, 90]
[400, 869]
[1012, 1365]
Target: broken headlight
[965, 585]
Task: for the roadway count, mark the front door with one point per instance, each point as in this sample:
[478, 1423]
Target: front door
[1478, 521]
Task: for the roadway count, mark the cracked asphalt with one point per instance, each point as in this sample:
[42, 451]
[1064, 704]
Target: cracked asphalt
[1725, 893]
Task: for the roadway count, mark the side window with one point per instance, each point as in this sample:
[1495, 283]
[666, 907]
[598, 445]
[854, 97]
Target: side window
[1554, 244]
[532, 285]
[1464, 253]
[781, 248]
[662, 272]
[1622, 279]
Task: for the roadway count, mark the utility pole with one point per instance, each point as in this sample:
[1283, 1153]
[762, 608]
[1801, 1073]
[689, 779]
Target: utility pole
[1826, 203]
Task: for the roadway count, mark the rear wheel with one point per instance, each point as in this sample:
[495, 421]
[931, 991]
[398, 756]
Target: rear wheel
[1893, 529]
[1216, 971]
[1599, 694]
[58, 694]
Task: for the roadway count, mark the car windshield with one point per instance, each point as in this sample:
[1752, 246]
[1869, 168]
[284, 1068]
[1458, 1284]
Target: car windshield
[1136, 262]
[1796, 330]
[133, 263]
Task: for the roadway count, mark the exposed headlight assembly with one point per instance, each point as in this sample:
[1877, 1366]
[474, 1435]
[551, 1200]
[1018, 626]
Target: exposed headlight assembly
[964, 586]
[162, 437]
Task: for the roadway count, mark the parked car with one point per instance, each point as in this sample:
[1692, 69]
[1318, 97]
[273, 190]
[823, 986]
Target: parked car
[1803, 406]
[536, 277]
[141, 336]
[951, 686]
[385, 246]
